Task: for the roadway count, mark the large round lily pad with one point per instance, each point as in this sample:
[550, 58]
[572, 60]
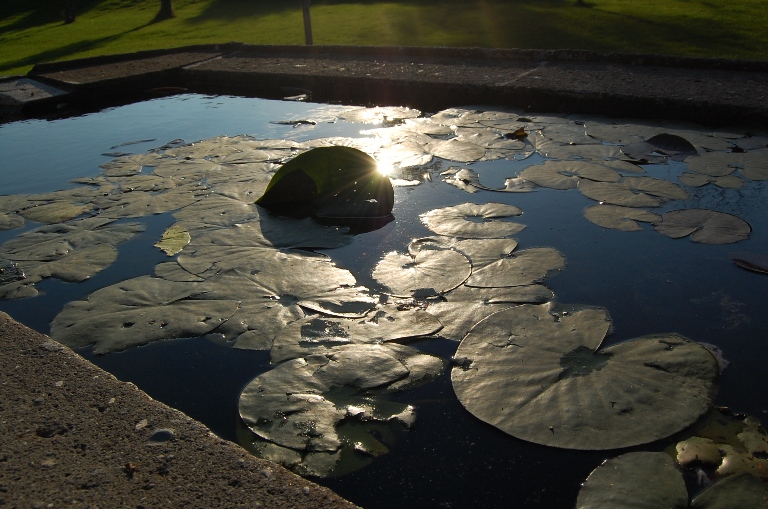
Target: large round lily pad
[520, 268]
[636, 480]
[429, 273]
[473, 221]
[566, 174]
[542, 377]
[704, 225]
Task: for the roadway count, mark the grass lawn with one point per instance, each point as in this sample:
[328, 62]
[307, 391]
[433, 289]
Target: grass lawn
[32, 31]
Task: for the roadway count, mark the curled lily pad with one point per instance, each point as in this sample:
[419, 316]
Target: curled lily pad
[703, 225]
[619, 218]
[520, 268]
[301, 403]
[723, 444]
[458, 221]
[428, 273]
[637, 480]
[541, 376]
[566, 174]
[139, 311]
[633, 191]
[330, 182]
[316, 334]
[660, 147]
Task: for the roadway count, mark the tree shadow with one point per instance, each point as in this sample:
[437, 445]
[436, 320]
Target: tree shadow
[38, 13]
[61, 53]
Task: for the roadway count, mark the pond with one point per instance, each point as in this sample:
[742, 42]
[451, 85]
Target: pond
[126, 175]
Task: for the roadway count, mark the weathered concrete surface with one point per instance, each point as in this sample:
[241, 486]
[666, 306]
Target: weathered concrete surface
[709, 91]
[72, 435]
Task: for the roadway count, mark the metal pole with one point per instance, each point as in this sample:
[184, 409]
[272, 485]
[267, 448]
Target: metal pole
[307, 23]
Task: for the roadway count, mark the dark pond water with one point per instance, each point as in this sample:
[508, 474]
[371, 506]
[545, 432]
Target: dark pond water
[648, 282]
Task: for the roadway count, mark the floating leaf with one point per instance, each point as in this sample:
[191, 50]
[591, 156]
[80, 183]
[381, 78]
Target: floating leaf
[461, 309]
[704, 226]
[316, 334]
[428, 273]
[637, 480]
[633, 191]
[300, 403]
[174, 239]
[458, 221]
[740, 490]
[539, 376]
[10, 221]
[714, 164]
[330, 182]
[566, 174]
[724, 444]
[755, 164]
[697, 180]
[145, 203]
[660, 147]
[520, 268]
[139, 311]
[56, 212]
[455, 150]
[619, 218]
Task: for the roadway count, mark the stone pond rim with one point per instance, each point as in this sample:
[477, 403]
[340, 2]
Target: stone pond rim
[712, 92]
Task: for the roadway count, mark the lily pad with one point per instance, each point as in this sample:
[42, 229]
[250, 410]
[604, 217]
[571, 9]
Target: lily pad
[460, 220]
[56, 212]
[461, 309]
[10, 221]
[300, 403]
[520, 268]
[317, 334]
[633, 191]
[704, 226]
[698, 180]
[566, 174]
[637, 480]
[619, 218]
[740, 490]
[541, 376]
[427, 274]
[714, 164]
[139, 311]
[455, 150]
[330, 182]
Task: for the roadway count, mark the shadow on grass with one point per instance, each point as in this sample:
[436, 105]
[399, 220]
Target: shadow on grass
[61, 53]
[37, 13]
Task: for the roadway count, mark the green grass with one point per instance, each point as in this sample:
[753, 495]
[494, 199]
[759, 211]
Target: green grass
[32, 31]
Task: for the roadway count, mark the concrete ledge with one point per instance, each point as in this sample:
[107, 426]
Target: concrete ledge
[73, 435]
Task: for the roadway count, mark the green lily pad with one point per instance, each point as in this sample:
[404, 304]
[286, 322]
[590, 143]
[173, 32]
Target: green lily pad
[633, 191]
[300, 403]
[637, 480]
[541, 376]
[698, 180]
[427, 274]
[330, 182]
[704, 226]
[740, 490]
[145, 203]
[10, 221]
[316, 334]
[458, 221]
[520, 268]
[56, 212]
[619, 218]
[461, 309]
[139, 311]
[566, 174]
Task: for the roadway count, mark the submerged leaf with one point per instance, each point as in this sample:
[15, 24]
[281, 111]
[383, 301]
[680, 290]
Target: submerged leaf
[539, 376]
[703, 225]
